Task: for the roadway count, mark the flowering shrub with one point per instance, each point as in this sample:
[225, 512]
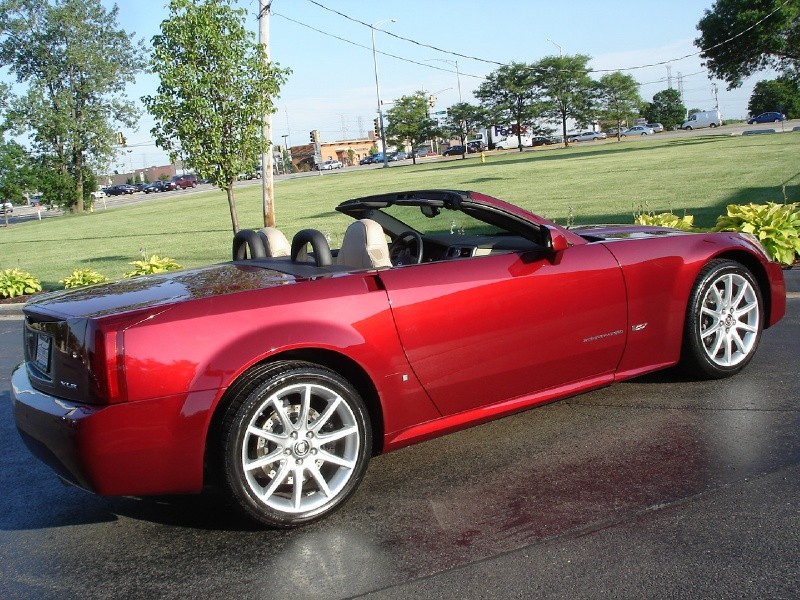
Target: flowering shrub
[154, 264]
[14, 282]
[82, 277]
[777, 227]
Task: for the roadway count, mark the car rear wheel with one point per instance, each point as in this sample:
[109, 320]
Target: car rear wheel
[723, 322]
[295, 444]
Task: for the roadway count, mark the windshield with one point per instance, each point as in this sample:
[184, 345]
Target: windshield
[444, 221]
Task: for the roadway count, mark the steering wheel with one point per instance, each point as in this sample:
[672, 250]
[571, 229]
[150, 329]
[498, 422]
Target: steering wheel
[406, 249]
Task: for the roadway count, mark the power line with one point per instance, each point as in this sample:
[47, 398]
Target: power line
[352, 43]
[493, 62]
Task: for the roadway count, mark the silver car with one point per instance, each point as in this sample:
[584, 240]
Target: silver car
[638, 130]
[588, 136]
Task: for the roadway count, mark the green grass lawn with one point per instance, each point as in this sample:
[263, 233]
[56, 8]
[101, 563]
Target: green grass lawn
[600, 183]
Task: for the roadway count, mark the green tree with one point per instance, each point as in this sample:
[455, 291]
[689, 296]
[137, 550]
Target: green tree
[16, 173]
[567, 91]
[509, 97]
[76, 62]
[619, 98]
[216, 88]
[741, 37]
[409, 122]
[781, 94]
[462, 119]
[666, 108]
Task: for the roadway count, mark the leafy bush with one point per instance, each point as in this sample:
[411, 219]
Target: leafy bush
[82, 277]
[154, 264]
[14, 282]
[777, 227]
[666, 220]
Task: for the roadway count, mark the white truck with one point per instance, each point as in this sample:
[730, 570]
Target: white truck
[703, 118]
[502, 137]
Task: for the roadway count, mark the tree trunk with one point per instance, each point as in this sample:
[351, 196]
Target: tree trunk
[79, 181]
[232, 206]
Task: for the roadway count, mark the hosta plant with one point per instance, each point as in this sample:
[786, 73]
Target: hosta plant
[666, 219]
[775, 225]
[14, 282]
[82, 277]
[154, 264]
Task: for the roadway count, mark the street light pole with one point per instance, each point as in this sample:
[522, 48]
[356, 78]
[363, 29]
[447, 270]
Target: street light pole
[378, 89]
[560, 52]
[458, 73]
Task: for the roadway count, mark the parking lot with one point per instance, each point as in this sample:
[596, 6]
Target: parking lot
[654, 488]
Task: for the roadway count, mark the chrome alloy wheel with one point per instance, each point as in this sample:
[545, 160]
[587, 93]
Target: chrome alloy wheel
[729, 320]
[301, 448]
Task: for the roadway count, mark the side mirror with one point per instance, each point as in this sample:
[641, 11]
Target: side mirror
[554, 240]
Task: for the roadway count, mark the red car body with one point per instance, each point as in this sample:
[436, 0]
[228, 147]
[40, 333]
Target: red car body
[125, 396]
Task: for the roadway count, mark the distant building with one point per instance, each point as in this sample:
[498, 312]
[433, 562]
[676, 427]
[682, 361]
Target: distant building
[303, 156]
[149, 175]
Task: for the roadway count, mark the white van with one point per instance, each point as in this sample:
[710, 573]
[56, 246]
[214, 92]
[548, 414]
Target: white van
[704, 118]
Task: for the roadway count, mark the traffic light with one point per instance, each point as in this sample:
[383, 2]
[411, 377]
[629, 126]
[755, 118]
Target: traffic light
[431, 101]
[311, 136]
[119, 138]
[376, 128]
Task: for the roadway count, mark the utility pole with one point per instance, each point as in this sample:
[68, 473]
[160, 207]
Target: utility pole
[267, 183]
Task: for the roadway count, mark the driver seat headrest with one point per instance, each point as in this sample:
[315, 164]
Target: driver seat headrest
[364, 246]
[275, 243]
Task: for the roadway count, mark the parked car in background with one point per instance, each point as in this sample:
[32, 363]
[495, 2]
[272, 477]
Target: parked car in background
[454, 151]
[396, 156]
[330, 165]
[656, 127]
[160, 185]
[367, 160]
[278, 377]
[587, 136]
[185, 181]
[120, 189]
[767, 117]
[542, 140]
[422, 152]
[637, 130]
[378, 158]
[476, 146]
[6, 208]
[36, 200]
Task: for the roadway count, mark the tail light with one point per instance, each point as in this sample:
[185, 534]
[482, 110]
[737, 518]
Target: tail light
[105, 363]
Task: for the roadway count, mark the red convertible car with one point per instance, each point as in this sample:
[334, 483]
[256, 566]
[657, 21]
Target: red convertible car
[277, 375]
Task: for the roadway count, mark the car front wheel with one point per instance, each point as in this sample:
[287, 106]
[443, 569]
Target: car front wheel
[723, 322]
[295, 444]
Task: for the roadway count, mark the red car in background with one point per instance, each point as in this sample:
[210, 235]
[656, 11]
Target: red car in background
[277, 375]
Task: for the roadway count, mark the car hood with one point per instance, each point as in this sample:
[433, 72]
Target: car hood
[625, 232]
[153, 291]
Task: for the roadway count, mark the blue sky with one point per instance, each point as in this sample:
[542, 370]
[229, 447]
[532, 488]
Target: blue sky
[332, 85]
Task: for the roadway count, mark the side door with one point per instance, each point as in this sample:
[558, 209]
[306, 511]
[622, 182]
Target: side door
[482, 330]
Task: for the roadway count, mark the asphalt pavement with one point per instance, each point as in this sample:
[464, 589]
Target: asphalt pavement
[653, 488]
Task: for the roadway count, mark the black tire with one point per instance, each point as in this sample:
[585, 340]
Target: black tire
[297, 405]
[724, 321]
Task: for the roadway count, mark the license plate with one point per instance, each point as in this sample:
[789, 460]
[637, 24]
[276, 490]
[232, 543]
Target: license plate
[43, 352]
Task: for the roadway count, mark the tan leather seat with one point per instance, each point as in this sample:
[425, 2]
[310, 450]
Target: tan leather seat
[364, 246]
[275, 243]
